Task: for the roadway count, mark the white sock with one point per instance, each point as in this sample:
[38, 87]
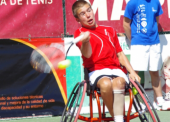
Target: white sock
[118, 118]
[160, 99]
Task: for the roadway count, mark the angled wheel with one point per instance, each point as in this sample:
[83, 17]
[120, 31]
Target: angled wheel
[142, 104]
[74, 103]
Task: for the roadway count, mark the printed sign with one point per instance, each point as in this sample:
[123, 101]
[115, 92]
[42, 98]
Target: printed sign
[31, 18]
[23, 90]
[110, 13]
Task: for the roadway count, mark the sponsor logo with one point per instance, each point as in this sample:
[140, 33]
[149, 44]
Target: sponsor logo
[144, 24]
[144, 30]
[143, 10]
[143, 19]
[142, 5]
[154, 9]
[143, 15]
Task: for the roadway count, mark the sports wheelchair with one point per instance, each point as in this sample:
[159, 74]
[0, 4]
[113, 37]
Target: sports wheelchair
[144, 110]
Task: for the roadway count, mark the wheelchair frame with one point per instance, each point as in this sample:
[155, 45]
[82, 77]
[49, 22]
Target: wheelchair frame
[140, 100]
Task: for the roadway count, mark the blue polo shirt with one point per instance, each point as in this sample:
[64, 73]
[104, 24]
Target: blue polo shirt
[143, 13]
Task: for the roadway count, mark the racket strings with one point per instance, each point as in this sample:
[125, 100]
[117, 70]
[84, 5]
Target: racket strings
[47, 57]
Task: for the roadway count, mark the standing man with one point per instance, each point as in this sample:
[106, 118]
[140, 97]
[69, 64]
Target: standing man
[102, 56]
[140, 23]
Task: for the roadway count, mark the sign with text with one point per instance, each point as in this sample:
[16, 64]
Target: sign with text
[31, 18]
[110, 13]
[23, 90]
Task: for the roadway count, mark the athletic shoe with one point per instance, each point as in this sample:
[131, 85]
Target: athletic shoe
[166, 105]
[156, 106]
[160, 104]
[163, 105]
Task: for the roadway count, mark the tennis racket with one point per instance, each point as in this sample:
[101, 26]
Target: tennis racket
[51, 56]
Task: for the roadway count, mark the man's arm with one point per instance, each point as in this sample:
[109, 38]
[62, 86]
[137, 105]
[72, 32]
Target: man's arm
[157, 19]
[127, 28]
[86, 49]
[125, 62]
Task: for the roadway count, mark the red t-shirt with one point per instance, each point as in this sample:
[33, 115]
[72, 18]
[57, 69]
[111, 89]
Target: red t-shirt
[105, 46]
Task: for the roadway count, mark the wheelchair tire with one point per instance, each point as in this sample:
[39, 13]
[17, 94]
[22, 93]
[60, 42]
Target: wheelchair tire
[143, 106]
[74, 103]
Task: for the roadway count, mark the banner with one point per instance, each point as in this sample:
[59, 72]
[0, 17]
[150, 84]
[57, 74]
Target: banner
[31, 18]
[110, 13]
[23, 90]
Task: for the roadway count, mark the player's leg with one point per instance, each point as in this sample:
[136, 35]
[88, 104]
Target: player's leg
[106, 91]
[118, 85]
[112, 94]
[156, 84]
[154, 67]
[104, 82]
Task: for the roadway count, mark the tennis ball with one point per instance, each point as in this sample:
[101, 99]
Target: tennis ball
[64, 64]
[134, 91]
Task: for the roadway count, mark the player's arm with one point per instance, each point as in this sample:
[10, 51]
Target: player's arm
[86, 49]
[127, 28]
[157, 19]
[125, 62]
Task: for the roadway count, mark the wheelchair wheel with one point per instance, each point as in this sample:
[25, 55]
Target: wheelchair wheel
[143, 106]
[74, 103]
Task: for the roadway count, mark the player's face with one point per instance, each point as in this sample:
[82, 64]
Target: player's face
[166, 71]
[86, 17]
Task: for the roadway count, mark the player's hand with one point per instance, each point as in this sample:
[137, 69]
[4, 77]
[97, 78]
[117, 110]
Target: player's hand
[86, 37]
[135, 77]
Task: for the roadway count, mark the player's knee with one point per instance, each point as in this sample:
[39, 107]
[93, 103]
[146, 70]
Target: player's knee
[120, 82]
[105, 86]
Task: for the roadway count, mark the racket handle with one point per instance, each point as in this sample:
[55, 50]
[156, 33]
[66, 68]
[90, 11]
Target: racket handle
[77, 39]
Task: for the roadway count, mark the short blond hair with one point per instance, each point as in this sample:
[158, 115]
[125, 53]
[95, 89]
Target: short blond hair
[166, 62]
[77, 5]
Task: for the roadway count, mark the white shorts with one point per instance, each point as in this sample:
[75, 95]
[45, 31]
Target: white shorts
[146, 57]
[97, 73]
